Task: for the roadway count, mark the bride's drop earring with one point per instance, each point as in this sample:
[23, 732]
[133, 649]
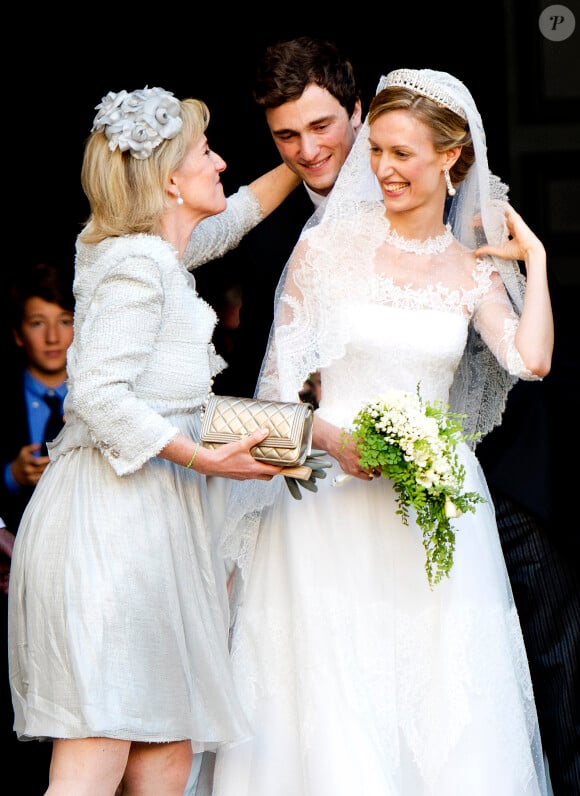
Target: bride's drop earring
[450, 189]
[180, 200]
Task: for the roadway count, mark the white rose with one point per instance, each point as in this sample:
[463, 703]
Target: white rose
[451, 509]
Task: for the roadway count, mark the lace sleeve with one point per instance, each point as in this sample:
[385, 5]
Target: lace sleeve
[216, 235]
[496, 321]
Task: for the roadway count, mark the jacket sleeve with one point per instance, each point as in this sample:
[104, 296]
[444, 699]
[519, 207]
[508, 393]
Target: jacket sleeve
[216, 235]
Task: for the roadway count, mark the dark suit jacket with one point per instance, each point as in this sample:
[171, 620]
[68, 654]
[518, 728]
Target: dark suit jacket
[256, 265]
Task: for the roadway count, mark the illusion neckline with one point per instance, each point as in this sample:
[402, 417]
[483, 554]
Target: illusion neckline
[435, 245]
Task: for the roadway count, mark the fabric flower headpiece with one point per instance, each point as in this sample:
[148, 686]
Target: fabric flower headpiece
[138, 121]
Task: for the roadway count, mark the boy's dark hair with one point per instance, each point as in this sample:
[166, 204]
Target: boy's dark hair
[288, 67]
[44, 280]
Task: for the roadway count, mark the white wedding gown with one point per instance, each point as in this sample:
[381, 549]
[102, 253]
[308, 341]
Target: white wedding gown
[357, 679]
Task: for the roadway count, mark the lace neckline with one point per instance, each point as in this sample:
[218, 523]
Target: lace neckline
[434, 245]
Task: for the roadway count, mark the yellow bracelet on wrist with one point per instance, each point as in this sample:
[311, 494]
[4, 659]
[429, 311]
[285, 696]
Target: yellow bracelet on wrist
[191, 461]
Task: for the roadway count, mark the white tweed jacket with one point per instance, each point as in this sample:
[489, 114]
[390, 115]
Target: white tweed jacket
[142, 344]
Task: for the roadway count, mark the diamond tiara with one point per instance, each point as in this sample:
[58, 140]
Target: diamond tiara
[416, 80]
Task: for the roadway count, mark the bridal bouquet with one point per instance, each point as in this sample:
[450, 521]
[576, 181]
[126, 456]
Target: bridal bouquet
[413, 443]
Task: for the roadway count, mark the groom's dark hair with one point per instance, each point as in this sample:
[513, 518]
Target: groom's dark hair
[288, 67]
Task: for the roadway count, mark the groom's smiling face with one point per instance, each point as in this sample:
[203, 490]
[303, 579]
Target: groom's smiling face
[314, 135]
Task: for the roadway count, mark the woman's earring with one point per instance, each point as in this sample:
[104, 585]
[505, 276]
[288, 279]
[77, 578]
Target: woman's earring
[450, 189]
[180, 200]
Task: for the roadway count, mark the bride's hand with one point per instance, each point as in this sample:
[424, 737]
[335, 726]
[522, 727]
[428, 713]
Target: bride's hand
[521, 243]
[348, 457]
[341, 447]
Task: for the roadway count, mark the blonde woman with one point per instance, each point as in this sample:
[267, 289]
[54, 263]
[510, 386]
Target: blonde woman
[118, 612]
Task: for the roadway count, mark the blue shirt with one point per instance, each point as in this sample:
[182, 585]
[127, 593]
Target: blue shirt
[37, 412]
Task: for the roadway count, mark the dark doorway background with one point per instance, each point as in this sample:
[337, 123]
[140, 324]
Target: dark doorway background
[527, 90]
[212, 55]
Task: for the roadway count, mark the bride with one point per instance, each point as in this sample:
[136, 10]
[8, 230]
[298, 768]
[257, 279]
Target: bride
[356, 676]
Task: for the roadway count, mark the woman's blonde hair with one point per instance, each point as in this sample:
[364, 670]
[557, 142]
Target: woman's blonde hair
[126, 195]
[447, 128]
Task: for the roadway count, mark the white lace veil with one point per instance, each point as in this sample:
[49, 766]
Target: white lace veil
[303, 337]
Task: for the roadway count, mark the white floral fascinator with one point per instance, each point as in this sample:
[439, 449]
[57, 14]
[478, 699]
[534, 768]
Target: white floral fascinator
[138, 121]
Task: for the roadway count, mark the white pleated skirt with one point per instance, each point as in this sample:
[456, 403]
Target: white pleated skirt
[118, 617]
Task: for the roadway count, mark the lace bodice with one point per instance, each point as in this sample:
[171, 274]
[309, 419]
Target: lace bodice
[371, 317]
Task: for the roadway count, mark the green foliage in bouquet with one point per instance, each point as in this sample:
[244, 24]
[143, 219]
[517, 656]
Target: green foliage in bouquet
[413, 443]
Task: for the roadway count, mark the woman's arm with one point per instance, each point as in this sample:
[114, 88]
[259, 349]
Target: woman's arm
[273, 187]
[330, 438]
[232, 460]
[216, 235]
[534, 337]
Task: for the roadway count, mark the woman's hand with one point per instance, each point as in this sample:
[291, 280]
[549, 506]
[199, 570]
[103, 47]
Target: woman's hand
[341, 447]
[521, 243]
[234, 460]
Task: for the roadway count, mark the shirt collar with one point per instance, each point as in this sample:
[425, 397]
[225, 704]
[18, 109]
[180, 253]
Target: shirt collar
[37, 388]
[317, 200]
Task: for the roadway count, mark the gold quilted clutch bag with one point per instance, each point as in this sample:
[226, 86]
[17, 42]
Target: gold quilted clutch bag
[227, 419]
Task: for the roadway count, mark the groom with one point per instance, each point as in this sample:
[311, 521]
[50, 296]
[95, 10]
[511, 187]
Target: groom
[311, 102]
